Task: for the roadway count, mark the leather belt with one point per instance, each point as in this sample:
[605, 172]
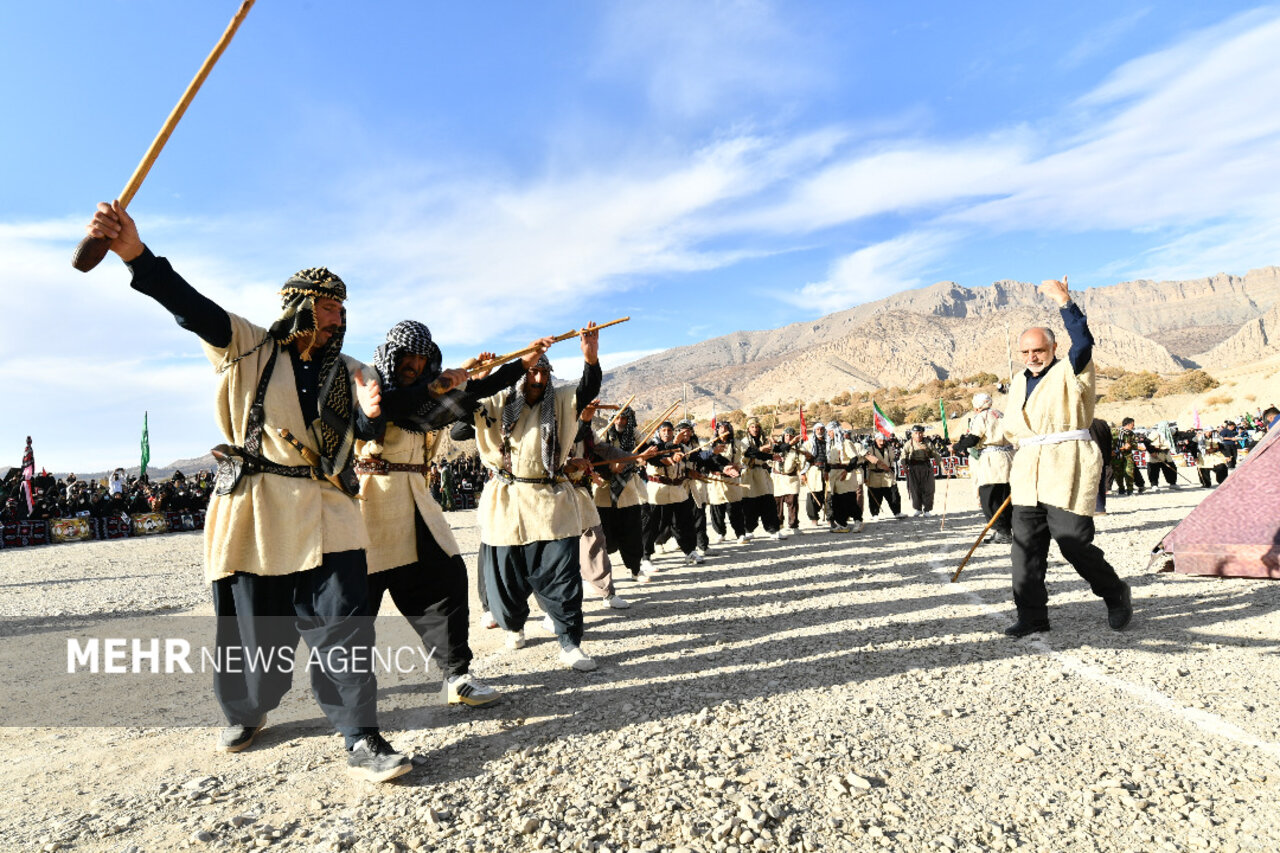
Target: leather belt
[507, 477]
[378, 465]
[667, 481]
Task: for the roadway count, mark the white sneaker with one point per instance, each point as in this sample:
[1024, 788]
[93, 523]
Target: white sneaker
[777, 536]
[693, 558]
[748, 536]
[927, 513]
[487, 620]
[642, 577]
[466, 689]
[547, 625]
[720, 540]
[515, 639]
[573, 658]
[860, 526]
[647, 567]
[743, 540]
[616, 602]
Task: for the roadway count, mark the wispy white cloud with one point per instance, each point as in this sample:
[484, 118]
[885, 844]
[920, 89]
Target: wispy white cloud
[712, 57]
[873, 272]
[1102, 38]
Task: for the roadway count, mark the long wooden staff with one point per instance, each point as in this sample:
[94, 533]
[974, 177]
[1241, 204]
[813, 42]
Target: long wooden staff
[92, 250]
[658, 426]
[942, 469]
[651, 424]
[965, 561]
[512, 356]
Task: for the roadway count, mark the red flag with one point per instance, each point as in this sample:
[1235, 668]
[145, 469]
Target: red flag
[28, 471]
[804, 432]
[713, 419]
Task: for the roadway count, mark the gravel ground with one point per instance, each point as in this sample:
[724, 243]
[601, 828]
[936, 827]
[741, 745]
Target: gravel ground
[828, 692]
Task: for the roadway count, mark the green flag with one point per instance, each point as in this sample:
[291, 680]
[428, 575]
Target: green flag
[942, 409]
[146, 447]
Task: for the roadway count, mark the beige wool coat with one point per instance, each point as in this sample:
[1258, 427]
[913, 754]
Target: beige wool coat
[522, 513]
[991, 466]
[391, 500]
[839, 481]
[786, 473]
[272, 525]
[1063, 475]
[756, 480]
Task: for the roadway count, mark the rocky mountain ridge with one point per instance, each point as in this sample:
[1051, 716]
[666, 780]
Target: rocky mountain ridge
[947, 330]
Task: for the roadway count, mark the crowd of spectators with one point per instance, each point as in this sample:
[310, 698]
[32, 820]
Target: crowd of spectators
[455, 483]
[112, 496]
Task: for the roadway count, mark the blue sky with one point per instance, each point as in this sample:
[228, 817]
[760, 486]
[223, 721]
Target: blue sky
[506, 170]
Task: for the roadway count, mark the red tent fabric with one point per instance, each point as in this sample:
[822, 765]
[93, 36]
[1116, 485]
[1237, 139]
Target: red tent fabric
[1235, 531]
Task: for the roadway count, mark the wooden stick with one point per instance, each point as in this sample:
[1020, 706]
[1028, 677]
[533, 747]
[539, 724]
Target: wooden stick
[965, 561]
[512, 356]
[661, 418]
[942, 469]
[655, 421]
[93, 249]
[312, 458]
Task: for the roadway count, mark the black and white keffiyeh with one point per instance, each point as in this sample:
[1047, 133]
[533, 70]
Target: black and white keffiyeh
[625, 437]
[547, 431]
[409, 337]
[334, 429]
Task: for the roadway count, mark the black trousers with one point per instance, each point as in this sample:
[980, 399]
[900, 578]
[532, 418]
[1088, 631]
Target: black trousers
[1219, 471]
[678, 517]
[788, 509]
[815, 504]
[990, 498]
[548, 570]
[432, 595]
[880, 494]
[1169, 469]
[1033, 527]
[760, 510]
[920, 486]
[734, 512]
[700, 526]
[327, 606]
[846, 505]
[623, 533]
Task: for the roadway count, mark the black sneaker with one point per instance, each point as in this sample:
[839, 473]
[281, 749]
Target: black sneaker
[238, 738]
[1001, 538]
[1120, 613]
[1025, 626]
[375, 760]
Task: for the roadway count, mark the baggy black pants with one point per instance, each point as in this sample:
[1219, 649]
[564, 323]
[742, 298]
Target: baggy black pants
[432, 595]
[878, 494]
[734, 512]
[678, 517]
[623, 533]
[1170, 472]
[328, 606]
[788, 509]
[1033, 527]
[549, 570]
[846, 505]
[762, 509]
[920, 486]
[815, 505]
[990, 498]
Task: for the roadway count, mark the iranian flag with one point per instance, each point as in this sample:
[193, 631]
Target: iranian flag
[713, 419]
[804, 432]
[881, 421]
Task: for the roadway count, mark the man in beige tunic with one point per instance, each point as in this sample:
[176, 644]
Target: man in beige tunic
[992, 458]
[528, 514]
[1055, 470]
[284, 543]
[412, 551]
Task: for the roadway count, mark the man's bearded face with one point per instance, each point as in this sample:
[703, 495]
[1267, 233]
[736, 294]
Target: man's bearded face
[409, 367]
[1036, 350]
[665, 434]
[328, 319]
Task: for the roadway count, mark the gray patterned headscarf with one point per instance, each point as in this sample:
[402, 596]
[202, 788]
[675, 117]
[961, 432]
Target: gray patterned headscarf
[546, 418]
[409, 337]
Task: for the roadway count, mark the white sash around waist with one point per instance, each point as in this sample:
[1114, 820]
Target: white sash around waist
[1056, 437]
